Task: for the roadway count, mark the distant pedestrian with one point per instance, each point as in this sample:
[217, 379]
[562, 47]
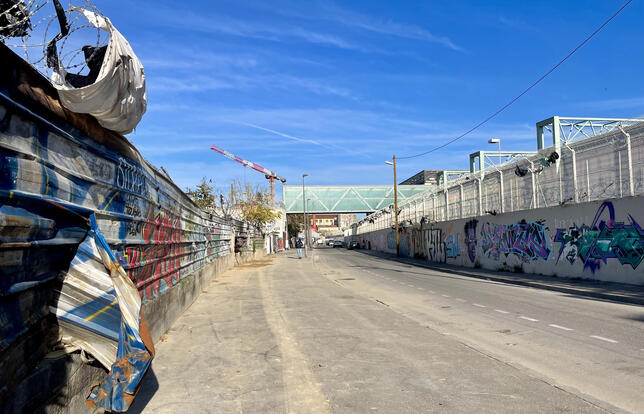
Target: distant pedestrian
[299, 245]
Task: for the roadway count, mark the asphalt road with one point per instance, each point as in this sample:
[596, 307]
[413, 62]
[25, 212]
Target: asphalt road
[588, 346]
[345, 332]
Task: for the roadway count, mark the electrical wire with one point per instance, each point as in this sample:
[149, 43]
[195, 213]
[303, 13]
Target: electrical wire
[504, 107]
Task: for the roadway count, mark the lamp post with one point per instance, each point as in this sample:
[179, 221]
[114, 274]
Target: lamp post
[309, 224]
[306, 232]
[496, 141]
[501, 195]
[395, 204]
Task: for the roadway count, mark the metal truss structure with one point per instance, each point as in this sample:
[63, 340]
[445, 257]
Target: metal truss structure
[345, 198]
[569, 129]
[495, 159]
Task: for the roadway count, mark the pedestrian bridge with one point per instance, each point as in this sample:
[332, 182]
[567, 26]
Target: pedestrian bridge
[337, 199]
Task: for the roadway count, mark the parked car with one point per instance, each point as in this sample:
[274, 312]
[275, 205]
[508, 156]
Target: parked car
[353, 245]
[329, 242]
[338, 243]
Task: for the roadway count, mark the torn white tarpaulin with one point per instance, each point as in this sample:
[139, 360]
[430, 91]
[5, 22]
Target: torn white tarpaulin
[117, 99]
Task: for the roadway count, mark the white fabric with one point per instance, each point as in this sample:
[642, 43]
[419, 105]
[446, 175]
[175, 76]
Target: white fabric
[117, 99]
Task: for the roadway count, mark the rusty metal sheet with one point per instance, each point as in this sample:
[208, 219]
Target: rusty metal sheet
[51, 172]
[99, 300]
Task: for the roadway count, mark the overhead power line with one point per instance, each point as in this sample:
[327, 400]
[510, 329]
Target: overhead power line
[504, 107]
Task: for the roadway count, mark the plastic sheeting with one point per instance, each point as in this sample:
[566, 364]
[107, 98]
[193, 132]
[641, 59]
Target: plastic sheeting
[117, 99]
[99, 309]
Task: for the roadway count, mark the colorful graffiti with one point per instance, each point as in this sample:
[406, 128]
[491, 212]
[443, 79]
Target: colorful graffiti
[528, 241]
[453, 245]
[602, 240]
[470, 239]
[439, 246]
[391, 240]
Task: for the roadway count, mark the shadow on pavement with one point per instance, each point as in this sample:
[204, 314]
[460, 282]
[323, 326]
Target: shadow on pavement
[149, 387]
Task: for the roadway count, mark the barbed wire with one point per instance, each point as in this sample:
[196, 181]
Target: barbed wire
[28, 27]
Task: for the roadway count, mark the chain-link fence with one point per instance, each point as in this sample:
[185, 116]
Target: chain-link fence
[602, 167]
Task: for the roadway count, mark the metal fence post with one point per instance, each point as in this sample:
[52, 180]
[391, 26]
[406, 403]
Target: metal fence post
[460, 200]
[574, 174]
[446, 192]
[502, 198]
[619, 161]
[480, 196]
[587, 182]
[535, 202]
[629, 153]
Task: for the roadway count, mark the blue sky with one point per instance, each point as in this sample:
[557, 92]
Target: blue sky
[335, 88]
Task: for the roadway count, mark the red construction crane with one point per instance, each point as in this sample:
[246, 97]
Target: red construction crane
[270, 175]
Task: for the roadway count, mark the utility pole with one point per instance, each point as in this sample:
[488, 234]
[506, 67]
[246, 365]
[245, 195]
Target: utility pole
[395, 204]
[306, 229]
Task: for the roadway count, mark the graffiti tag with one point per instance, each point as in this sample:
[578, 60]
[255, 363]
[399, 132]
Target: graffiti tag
[602, 240]
[130, 178]
[453, 245]
[435, 246]
[528, 241]
[470, 239]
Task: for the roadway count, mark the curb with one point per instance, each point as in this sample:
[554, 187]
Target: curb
[564, 289]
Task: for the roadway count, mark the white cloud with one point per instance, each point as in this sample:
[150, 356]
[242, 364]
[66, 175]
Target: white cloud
[332, 12]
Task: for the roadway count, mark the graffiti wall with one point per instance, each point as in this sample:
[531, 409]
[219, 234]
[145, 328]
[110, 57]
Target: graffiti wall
[597, 240]
[57, 168]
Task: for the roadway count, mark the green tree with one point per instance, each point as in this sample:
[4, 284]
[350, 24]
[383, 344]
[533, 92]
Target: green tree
[255, 204]
[294, 224]
[203, 195]
[248, 203]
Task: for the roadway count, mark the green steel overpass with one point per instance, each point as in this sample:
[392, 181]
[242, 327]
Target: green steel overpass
[336, 199]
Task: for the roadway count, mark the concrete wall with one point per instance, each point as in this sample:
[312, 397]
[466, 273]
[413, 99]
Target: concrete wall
[52, 163]
[599, 240]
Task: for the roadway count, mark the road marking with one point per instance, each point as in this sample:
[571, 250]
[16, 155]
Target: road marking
[500, 311]
[601, 338]
[431, 291]
[461, 300]
[560, 327]
[421, 288]
[411, 285]
[445, 296]
[528, 319]
[479, 305]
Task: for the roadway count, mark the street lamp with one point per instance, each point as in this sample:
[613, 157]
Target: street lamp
[496, 141]
[306, 232]
[395, 204]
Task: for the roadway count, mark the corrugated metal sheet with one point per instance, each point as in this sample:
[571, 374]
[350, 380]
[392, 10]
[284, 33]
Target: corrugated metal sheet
[101, 310]
[52, 170]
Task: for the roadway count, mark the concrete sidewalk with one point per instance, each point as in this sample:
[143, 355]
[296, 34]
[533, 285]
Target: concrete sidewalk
[618, 292]
[282, 336]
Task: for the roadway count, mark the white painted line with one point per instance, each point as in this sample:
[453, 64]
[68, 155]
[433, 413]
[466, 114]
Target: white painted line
[479, 305]
[561, 327]
[528, 319]
[431, 291]
[410, 285]
[421, 288]
[445, 296]
[461, 300]
[500, 311]
[601, 338]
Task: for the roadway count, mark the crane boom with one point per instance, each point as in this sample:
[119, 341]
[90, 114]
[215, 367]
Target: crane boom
[268, 173]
